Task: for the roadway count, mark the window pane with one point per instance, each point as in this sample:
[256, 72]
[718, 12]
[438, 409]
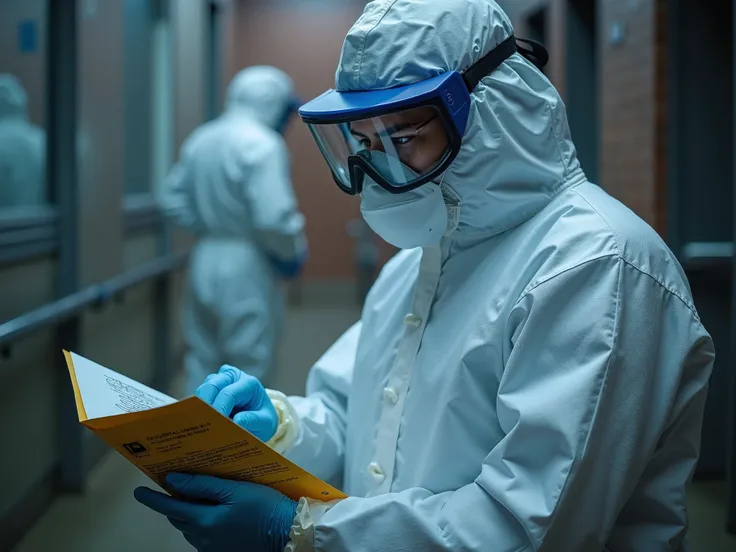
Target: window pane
[138, 71]
[22, 104]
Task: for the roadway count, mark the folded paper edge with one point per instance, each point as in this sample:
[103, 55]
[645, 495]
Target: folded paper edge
[81, 412]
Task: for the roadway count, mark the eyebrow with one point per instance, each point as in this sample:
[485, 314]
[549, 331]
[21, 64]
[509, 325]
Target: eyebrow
[389, 130]
[355, 134]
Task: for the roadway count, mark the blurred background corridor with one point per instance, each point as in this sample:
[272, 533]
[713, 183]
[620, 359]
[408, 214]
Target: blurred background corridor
[111, 88]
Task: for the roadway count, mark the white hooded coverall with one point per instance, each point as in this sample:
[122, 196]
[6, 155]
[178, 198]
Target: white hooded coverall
[537, 381]
[232, 188]
[22, 149]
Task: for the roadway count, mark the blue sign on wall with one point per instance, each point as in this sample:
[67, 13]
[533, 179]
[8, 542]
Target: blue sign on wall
[27, 37]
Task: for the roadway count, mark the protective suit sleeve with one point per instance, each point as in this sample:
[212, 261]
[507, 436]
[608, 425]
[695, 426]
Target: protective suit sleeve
[173, 195]
[319, 446]
[276, 218]
[605, 368]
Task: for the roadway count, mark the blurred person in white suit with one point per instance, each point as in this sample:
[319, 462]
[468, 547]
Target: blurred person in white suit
[232, 188]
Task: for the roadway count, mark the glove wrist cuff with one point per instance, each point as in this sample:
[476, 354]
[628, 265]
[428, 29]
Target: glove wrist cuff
[288, 428]
[308, 514]
[281, 523]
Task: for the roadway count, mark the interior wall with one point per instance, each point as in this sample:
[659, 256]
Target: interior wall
[632, 162]
[101, 165]
[123, 332]
[27, 410]
[189, 19]
[305, 41]
[100, 139]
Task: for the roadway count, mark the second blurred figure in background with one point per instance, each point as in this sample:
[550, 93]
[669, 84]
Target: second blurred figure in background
[232, 188]
[22, 149]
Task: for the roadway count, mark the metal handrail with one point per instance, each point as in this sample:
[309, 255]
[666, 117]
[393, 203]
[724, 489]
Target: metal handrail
[96, 295]
[698, 255]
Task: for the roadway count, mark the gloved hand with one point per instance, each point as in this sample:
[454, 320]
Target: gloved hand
[241, 397]
[288, 269]
[217, 515]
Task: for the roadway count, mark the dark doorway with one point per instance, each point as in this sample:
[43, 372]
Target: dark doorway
[731, 523]
[582, 83]
[537, 25]
[700, 189]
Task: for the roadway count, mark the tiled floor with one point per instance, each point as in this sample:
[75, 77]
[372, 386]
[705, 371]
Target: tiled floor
[108, 519]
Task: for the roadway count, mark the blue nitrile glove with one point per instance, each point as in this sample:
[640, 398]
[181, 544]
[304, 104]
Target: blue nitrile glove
[241, 397]
[288, 269]
[217, 515]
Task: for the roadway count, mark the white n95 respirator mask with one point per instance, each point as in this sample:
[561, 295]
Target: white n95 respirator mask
[417, 218]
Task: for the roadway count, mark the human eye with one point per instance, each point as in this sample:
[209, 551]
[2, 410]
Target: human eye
[402, 140]
[361, 141]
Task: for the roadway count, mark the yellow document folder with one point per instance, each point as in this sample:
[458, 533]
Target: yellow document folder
[159, 434]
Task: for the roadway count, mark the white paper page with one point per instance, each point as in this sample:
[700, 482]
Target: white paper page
[107, 393]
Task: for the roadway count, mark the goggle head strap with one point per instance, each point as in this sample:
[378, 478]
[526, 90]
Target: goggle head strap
[531, 50]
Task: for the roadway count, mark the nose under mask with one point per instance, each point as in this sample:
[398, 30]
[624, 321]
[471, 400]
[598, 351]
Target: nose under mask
[418, 218]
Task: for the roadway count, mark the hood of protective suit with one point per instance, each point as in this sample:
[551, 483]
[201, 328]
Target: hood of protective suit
[517, 153]
[13, 99]
[263, 92]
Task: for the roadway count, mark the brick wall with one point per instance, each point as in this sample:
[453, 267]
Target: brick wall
[520, 10]
[310, 55]
[633, 102]
[633, 88]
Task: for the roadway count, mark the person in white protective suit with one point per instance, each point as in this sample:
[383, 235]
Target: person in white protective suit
[22, 149]
[529, 373]
[232, 188]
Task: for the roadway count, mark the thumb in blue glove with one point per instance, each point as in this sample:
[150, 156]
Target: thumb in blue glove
[243, 398]
[218, 515]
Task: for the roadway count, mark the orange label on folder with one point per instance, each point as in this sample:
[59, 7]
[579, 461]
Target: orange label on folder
[160, 435]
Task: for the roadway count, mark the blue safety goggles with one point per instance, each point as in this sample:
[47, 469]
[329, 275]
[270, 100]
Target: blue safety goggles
[407, 136]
